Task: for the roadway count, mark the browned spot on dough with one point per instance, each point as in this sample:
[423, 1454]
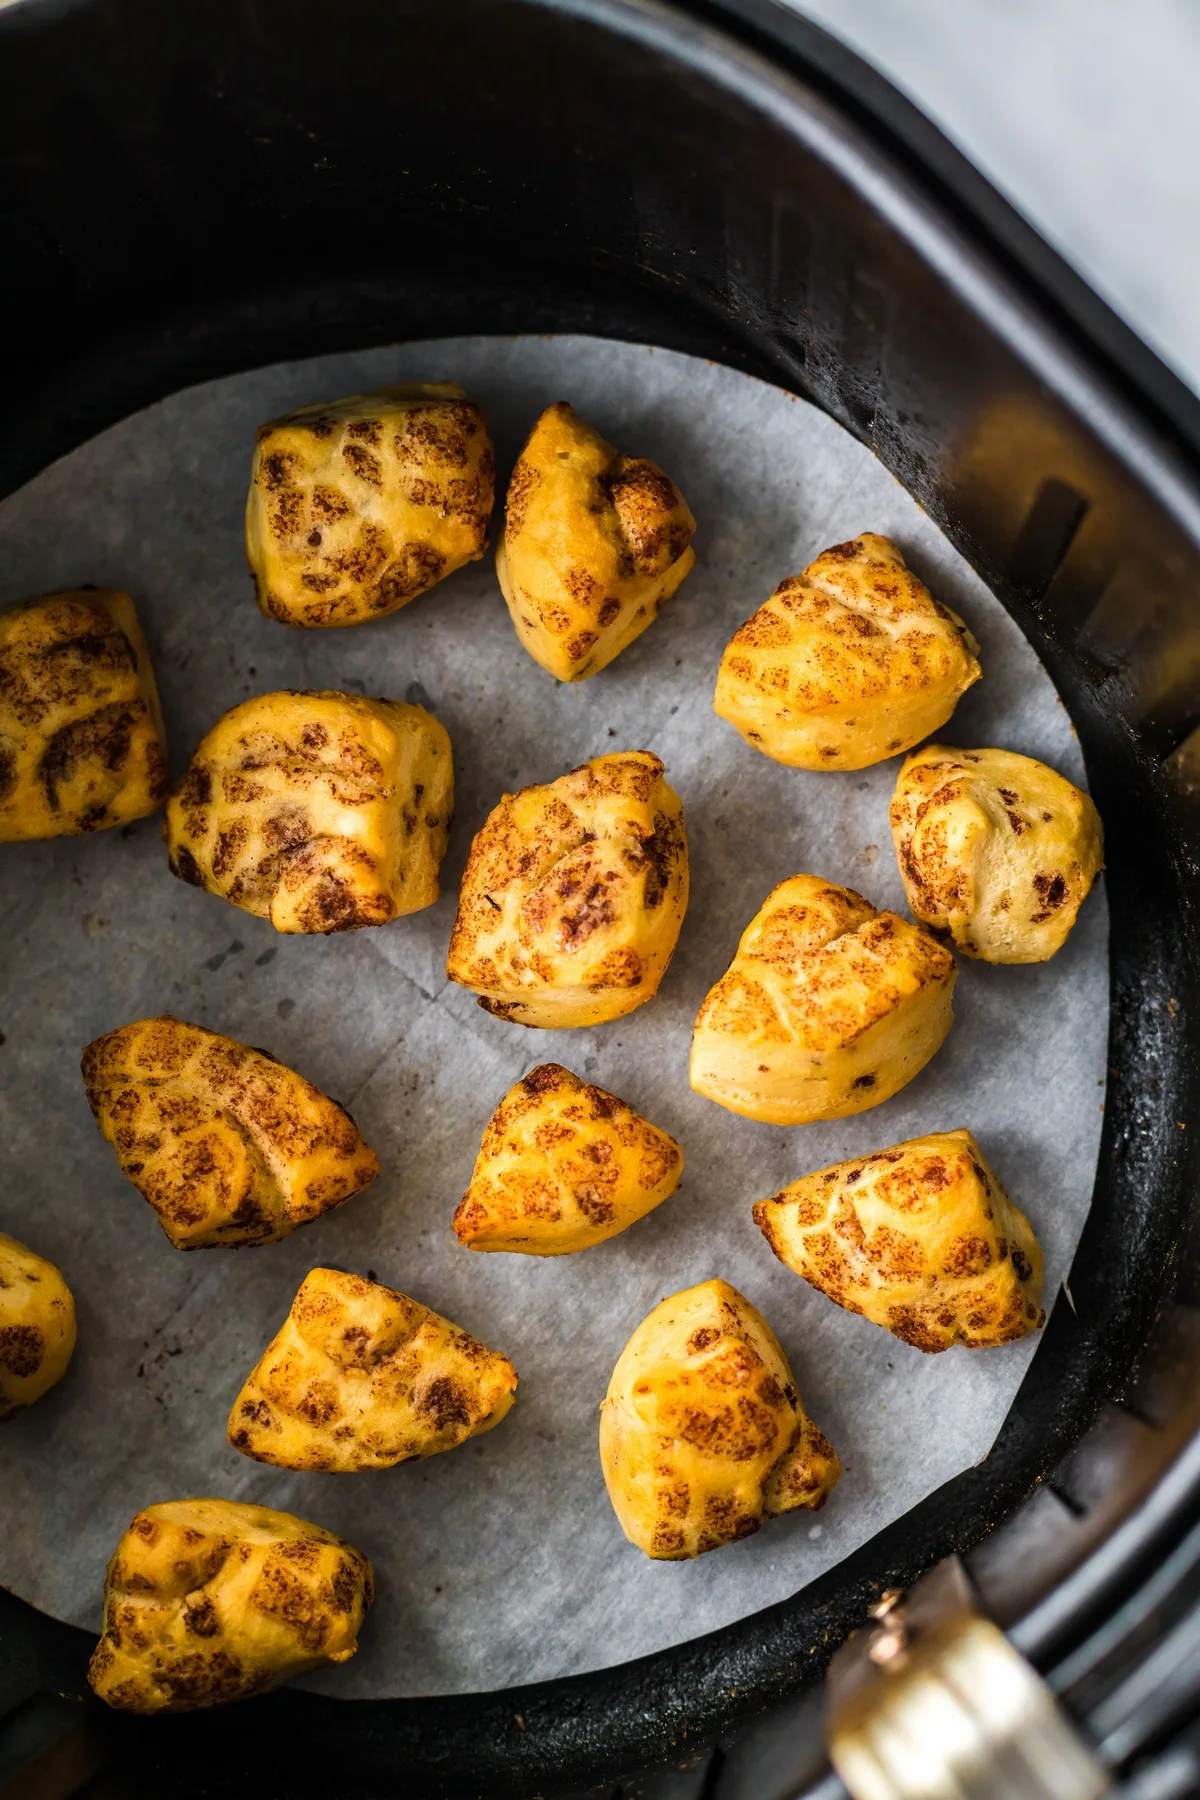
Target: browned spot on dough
[968, 1256]
[445, 1402]
[546, 1075]
[415, 568]
[525, 478]
[201, 1619]
[592, 1204]
[279, 1594]
[274, 471]
[364, 465]
[1051, 890]
[21, 1349]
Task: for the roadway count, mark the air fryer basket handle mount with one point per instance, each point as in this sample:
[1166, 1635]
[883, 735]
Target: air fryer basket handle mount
[932, 1702]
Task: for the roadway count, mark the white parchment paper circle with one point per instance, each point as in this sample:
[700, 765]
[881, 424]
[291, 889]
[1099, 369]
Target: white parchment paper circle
[500, 1562]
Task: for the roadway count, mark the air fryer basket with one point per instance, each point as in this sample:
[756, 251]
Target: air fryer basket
[191, 189]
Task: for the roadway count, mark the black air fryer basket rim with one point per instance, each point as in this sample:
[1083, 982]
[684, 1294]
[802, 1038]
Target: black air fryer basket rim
[595, 1726]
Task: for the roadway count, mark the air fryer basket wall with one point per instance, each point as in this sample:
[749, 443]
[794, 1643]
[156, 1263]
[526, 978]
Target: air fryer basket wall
[191, 189]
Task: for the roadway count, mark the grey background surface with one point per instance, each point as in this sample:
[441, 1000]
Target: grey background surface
[1084, 114]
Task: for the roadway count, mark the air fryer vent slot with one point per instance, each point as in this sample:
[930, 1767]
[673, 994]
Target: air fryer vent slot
[1047, 534]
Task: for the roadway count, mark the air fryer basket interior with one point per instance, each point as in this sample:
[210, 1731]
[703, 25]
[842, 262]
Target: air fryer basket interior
[216, 184]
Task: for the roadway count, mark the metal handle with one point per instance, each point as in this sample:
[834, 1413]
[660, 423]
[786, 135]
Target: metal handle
[933, 1703]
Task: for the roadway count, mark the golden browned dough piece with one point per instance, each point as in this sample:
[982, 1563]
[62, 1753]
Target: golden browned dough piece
[996, 851]
[318, 811]
[920, 1239]
[357, 507]
[829, 1007]
[563, 1165]
[573, 895]
[361, 1377]
[846, 664]
[209, 1601]
[81, 729]
[594, 543]
[227, 1145]
[37, 1327]
[702, 1433]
